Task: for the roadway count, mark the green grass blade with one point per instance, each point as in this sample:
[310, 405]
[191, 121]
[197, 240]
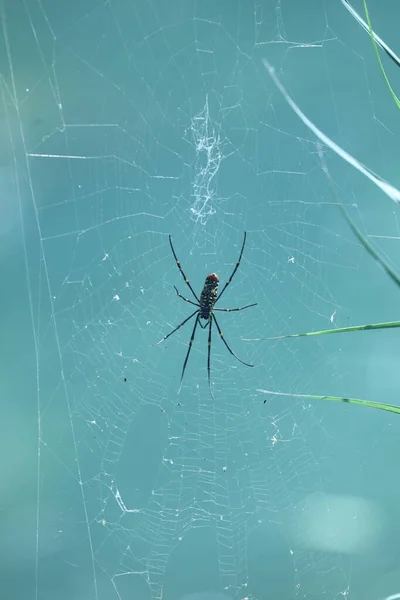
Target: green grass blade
[387, 188]
[388, 325]
[385, 266]
[365, 243]
[363, 240]
[378, 405]
[367, 27]
[372, 36]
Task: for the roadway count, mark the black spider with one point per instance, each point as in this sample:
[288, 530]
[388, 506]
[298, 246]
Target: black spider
[206, 307]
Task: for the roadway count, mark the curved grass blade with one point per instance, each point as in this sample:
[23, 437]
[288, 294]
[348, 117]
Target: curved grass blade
[367, 27]
[376, 41]
[387, 188]
[378, 405]
[363, 240]
[388, 325]
[388, 270]
[371, 33]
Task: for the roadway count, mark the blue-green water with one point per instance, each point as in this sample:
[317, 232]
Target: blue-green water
[121, 123]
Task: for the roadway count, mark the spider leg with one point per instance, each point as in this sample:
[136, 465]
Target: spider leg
[209, 359]
[235, 309]
[176, 328]
[178, 264]
[227, 345]
[190, 346]
[185, 299]
[234, 270]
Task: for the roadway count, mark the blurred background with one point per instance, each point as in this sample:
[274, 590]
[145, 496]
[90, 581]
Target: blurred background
[121, 123]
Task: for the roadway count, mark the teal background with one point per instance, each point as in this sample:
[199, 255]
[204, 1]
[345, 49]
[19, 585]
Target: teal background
[122, 122]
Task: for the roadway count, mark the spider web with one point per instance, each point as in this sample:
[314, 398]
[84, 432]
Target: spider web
[126, 123]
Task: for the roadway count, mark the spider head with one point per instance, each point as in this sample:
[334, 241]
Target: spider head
[212, 277]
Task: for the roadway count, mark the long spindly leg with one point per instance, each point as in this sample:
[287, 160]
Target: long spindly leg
[186, 280]
[176, 328]
[234, 309]
[209, 359]
[227, 345]
[185, 299]
[235, 269]
[190, 346]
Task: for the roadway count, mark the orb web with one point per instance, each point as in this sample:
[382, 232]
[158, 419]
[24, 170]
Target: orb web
[127, 124]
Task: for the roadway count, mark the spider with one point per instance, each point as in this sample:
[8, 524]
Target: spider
[205, 310]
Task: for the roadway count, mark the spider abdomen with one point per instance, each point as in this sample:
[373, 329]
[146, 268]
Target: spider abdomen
[208, 295]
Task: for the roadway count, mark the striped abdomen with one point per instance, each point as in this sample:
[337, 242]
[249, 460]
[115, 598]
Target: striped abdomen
[209, 295]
